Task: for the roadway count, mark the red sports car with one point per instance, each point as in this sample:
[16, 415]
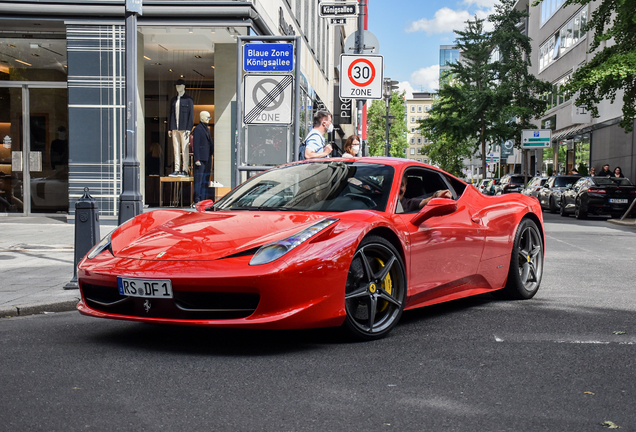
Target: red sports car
[335, 242]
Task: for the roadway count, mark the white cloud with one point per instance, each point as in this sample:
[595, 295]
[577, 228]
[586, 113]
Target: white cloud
[446, 20]
[405, 86]
[426, 78]
[486, 4]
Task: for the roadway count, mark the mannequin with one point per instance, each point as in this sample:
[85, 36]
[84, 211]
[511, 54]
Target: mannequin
[203, 148]
[180, 125]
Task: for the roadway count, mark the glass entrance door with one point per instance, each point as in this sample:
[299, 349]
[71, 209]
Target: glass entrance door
[33, 148]
[48, 150]
[11, 150]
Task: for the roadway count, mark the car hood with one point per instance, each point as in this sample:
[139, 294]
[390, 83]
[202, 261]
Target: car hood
[178, 235]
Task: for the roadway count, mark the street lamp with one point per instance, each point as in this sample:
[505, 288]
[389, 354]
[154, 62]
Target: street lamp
[389, 87]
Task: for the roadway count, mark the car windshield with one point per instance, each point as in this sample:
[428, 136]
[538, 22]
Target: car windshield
[314, 186]
[565, 181]
[613, 181]
[516, 180]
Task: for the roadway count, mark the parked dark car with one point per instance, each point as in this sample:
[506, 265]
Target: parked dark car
[599, 196]
[550, 193]
[510, 183]
[534, 186]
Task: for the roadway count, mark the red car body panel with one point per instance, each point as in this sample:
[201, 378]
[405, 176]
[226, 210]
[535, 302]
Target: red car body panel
[446, 257]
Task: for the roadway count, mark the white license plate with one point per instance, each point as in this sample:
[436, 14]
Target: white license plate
[151, 288]
[618, 200]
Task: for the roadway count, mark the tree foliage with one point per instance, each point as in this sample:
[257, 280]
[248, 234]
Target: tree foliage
[489, 96]
[613, 68]
[519, 92]
[466, 111]
[376, 126]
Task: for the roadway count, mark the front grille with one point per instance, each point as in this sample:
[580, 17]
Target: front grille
[185, 305]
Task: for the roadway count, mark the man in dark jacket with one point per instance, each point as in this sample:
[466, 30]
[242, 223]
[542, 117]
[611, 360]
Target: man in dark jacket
[203, 149]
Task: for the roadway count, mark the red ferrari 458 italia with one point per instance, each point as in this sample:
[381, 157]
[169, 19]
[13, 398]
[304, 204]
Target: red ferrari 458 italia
[333, 242]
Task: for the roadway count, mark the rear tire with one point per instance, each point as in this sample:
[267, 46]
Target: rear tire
[526, 263]
[553, 207]
[578, 212]
[375, 291]
[562, 209]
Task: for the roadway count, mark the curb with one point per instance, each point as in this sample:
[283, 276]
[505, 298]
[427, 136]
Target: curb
[626, 222]
[38, 308]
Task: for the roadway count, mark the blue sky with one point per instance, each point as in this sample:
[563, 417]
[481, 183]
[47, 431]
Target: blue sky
[410, 33]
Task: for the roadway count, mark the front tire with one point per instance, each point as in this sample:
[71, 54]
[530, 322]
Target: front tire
[553, 207]
[562, 209]
[375, 291]
[526, 263]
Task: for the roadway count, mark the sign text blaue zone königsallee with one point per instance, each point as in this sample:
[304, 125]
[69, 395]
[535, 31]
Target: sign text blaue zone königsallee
[268, 57]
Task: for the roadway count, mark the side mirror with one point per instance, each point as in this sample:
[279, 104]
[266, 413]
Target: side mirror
[435, 207]
[202, 205]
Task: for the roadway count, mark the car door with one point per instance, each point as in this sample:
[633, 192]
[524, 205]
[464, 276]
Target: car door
[569, 195]
[544, 193]
[445, 251]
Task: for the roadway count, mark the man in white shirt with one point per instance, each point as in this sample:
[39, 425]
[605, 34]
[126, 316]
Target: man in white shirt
[315, 141]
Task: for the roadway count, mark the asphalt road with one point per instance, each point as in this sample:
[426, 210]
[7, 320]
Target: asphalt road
[563, 361]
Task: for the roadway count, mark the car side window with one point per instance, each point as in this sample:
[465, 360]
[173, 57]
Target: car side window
[422, 183]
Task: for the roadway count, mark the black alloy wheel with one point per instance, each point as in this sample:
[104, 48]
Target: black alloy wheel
[553, 207]
[526, 263]
[375, 291]
[562, 209]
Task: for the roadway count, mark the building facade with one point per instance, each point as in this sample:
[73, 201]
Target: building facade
[559, 46]
[62, 92]
[417, 108]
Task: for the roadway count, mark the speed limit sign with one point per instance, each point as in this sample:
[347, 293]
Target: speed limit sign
[361, 76]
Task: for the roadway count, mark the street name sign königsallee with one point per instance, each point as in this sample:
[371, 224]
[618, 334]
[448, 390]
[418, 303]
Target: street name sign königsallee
[268, 57]
[338, 10]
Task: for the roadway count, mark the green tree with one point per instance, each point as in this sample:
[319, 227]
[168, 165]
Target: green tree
[467, 113]
[519, 93]
[613, 68]
[376, 126]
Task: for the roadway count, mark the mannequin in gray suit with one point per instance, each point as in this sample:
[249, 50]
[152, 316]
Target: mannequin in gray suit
[180, 124]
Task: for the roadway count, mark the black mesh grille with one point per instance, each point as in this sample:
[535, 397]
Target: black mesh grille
[184, 305]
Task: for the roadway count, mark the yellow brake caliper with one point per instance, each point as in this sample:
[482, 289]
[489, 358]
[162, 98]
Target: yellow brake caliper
[387, 285]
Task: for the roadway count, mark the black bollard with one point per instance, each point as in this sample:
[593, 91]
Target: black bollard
[86, 231]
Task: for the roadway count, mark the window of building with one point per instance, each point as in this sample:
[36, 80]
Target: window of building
[412, 119]
[419, 108]
[568, 36]
[412, 151]
[412, 130]
[419, 117]
[412, 140]
[549, 8]
[557, 96]
[427, 108]
[412, 108]
[419, 140]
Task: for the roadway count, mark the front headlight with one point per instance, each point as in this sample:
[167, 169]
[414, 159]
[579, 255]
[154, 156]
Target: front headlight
[100, 247]
[273, 251]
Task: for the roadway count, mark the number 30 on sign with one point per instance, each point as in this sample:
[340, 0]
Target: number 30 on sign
[362, 76]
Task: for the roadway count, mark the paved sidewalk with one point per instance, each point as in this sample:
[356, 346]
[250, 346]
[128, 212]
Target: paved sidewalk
[36, 261]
